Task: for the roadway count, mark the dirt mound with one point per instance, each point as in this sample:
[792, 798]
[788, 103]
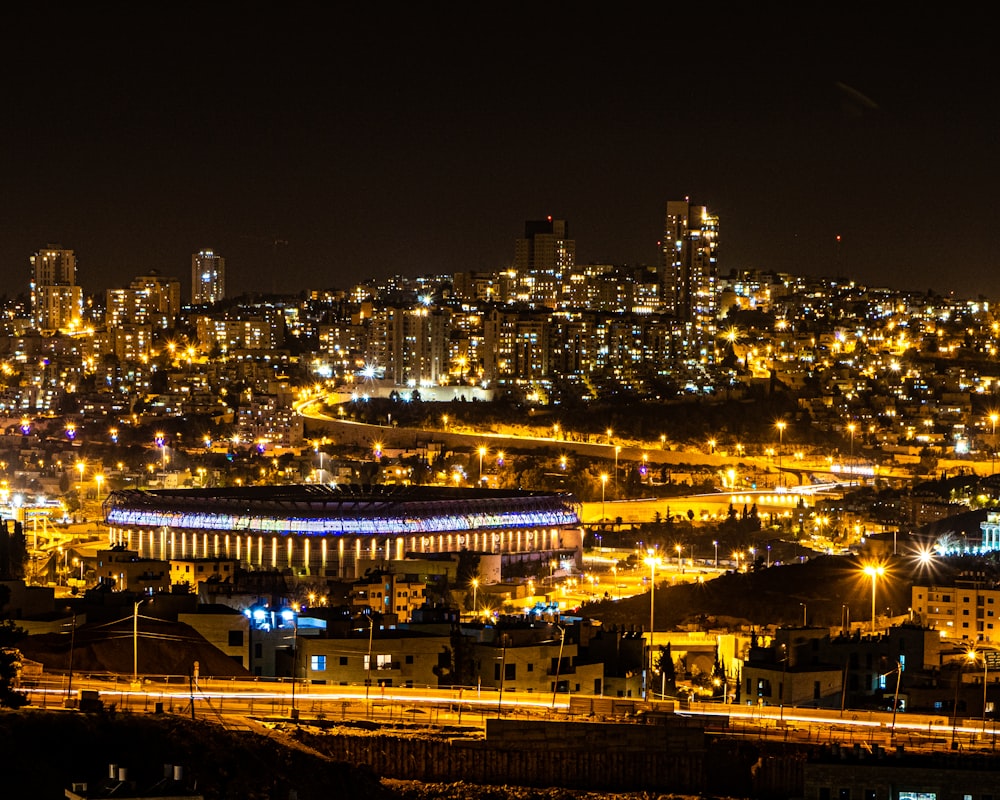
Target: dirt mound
[164, 648]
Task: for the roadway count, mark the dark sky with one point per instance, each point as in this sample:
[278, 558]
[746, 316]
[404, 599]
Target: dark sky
[418, 138]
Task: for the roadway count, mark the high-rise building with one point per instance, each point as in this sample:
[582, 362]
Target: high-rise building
[689, 272]
[541, 260]
[208, 277]
[151, 299]
[56, 299]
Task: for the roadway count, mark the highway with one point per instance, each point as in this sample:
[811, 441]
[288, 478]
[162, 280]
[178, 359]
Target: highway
[235, 702]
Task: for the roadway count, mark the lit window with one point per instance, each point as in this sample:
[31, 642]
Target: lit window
[317, 663]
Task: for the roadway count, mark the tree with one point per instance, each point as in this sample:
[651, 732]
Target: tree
[10, 658]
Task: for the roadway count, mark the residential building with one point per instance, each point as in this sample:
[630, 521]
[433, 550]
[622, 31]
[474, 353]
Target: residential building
[208, 277]
[542, 260]
[56, 298]
[689, 270]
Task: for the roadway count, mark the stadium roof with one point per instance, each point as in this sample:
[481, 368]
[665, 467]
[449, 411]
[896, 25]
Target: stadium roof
[350, 509]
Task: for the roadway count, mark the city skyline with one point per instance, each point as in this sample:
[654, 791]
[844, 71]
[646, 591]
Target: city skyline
[312, 157]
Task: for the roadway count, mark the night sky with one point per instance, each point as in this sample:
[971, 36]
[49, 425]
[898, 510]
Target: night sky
[418, 138]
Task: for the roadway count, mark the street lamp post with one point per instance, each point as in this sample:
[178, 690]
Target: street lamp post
[874, 571]
[973, 655]
[993, 450]
[482, 452]
[368, 670]
[780, 425]
[715, 544]
[135, 640]
[604, 483]
[652, 561]
[555, 686]
[475, 590]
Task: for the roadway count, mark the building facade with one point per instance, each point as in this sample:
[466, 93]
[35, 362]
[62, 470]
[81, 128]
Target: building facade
[689, 269]
[208, 277]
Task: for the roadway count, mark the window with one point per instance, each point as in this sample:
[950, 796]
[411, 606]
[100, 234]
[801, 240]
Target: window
[258, 650]
[235, 638]
[317, 663]
[510, 672]
[870, 794]
[824, 793]
[844, 794]
[382, 661]
[409, 659]
[531, 667]
[343, 661]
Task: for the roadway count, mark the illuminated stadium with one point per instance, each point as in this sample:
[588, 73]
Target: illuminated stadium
[323, 530]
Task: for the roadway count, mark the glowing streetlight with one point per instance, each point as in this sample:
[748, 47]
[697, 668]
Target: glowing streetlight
[874, 571]
[482, 452]
[475, 590]
[604, 483]
[780, 425]
[973, 655]
[99, 480]
[679, 549]
[161, 442]
[81, 467]
[851, 427]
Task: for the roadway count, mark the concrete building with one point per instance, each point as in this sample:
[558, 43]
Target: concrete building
[56, 298]
[388, 658]
[194, 571]
[389, 593]
[208, 277]
[125, 571]
[225, 628]
[689, 272]
[966, 611]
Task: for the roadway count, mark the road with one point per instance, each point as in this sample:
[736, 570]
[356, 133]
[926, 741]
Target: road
[235, 701]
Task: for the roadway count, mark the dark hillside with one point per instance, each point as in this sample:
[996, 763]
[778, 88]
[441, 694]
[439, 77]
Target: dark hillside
[770, 596]
[44, 752]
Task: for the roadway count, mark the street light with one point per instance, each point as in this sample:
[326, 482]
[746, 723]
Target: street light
[715, 544]
[604, 483]
[368, 671]
[780, 425]
[135, 640]
[972, 655]
[475, 590]
[652, 561]
[82, 467]
[99, 479]
[678, 548]
[482, 452]
[874, 571]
